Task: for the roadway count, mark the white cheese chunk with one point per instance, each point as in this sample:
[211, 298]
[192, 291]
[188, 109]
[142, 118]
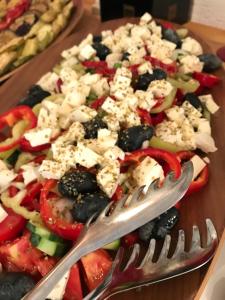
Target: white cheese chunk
[59, 289]
[85, 156]
[52, 170]
[38, 136]
[160, 88]
[48, 81]
[204, 126]
[209, 103]
[3, 213]
[144, 68]
[6, 177]
[87, 52]
[108, 176]
[192, 46]
[30, 172]
[83, 114]
[73, 51]
[114, 153]
[205, 142]
[198, 165]
[106, 139]
[190, 64]
[146, 172]
[3, 165]
[145, 99]
[176, 114]
[112, 122]
[145, 19]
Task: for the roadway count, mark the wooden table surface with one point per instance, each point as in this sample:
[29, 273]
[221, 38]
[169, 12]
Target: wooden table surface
[193, 210]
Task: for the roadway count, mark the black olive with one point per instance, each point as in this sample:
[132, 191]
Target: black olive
[145, 232]
[97, 38]
[13, 286]
[211, 62]
[88, 204]
[194, 101]
[35, 95]
[144, 80]
[165, 223]
[91, 127]
[132, 138]
[159, 74]
[171, 35]
[73, 183]
[125, 56]
[23, 29]
[102, 50]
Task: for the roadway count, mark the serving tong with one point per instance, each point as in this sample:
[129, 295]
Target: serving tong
[147, 272]
[113, 224]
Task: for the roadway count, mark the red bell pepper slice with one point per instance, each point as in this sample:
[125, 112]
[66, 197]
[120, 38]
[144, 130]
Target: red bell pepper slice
[145, 116]
[10, 118]
[96, 104]
[203, 177]
[13, 13]
[31, 200]
[11, 226]
[158, 118]
[169, 68]
[206, 80]
[26, 146]
[73, 289]
[100, 67]
[158, 154]
[69, 231]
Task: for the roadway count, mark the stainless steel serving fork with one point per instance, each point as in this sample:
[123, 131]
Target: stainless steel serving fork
[111, 224]
[147, 272]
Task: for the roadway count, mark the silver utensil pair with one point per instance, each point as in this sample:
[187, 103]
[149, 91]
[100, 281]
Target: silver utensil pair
[112, 224]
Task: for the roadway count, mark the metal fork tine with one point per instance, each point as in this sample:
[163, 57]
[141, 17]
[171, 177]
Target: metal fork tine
[180, 244]
[104, 212]
[168, 179]
[211, 232]
[165, 249]
[136, 195]
[196, 239]
[134, 256]
[149, 254]
[120, 204]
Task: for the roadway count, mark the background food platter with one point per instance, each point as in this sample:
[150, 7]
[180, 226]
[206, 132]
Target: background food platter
[210, 202]
[73, 21]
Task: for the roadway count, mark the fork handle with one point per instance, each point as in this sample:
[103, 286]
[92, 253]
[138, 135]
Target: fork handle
[47, 283]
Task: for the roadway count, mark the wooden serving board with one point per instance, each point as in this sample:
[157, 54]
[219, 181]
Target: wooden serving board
[73, 21]
[208, 203]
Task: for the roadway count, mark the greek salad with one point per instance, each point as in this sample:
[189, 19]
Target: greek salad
[119, 111]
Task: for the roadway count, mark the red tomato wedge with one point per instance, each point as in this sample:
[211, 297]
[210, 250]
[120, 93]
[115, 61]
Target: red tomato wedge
[96, 265]
[73, 289]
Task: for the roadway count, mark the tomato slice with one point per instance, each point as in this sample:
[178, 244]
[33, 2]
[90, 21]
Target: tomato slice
[11, 226]
[96, 265]
[73, 289]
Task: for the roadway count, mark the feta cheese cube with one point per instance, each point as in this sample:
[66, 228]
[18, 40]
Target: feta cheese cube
[144, 68]
[198, 165]
[146, 172]
[6, 177]
[110, 106]
[176, 114]
[83, 114]
[58, 292]
[87, 52]
[160, 88]
[205, 142]
[209, 103]
[192, 46]
[30, 172]
[145, 19]
[3, 214]
[85, 156]
[190, 64]
[112, 122]
[106, 139]
[108, 176]
[48, 82]
[90, 79]
[52, 169]
[101, 87]
[73, 51]
[38, 136]
[113, 58]
[114, 153]
[204, 126]
[145, 99]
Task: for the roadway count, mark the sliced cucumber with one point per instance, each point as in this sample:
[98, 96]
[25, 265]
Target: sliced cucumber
[12, 159]
[112, 246]
[51, 248]
[43, 232]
